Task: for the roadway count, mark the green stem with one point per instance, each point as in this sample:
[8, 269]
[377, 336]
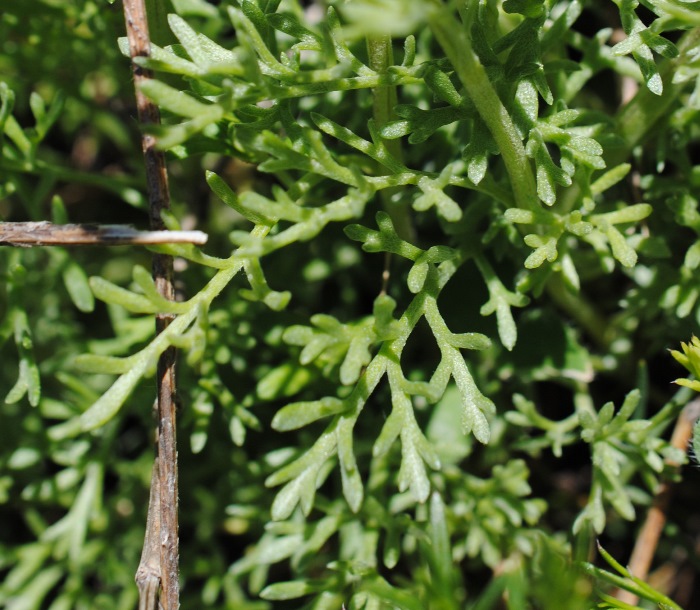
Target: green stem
[487, 186]
[580, 310]
[456, 42]
[381, 57]
[112, 400]
[635, 122]
[125, 187]
[640, 115]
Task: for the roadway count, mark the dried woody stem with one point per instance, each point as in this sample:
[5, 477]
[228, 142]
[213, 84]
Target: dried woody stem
[45, 233]
[649, 535]
[159, 561]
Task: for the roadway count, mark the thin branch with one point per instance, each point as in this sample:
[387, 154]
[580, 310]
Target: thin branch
[455, 40]
[649, 535]
[44, 233]
[148, 574]
[384, 100]
[159, 200]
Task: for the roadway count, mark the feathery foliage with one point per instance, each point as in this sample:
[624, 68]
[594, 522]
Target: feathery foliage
[378, 179]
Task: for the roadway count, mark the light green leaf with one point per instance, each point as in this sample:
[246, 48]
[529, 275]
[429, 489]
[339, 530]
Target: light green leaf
[28, 380]
[545, 250]
[475, 404]
[292, 589]
[621, 250]
[111, 293]
[630, 213]
[357, 357]
[179, 102]
[474, 341]
[417, 276]
[284, 381]
[610, 178]
[353, 490]
[412, 474]
[109, 365]
[300, 491]
[299, 414]
[78, 287]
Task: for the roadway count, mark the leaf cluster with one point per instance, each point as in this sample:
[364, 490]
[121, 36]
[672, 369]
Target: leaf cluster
[412, 247]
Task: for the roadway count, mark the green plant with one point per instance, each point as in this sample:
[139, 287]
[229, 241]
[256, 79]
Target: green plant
[628, 581]
[352, 412]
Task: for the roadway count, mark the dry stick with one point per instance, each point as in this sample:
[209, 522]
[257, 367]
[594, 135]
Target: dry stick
[159, 200]
[148, 573]
[648, 538]
[44, 233]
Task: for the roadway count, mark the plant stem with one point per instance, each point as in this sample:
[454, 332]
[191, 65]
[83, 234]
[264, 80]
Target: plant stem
[650, 534]
[455, 40]
[639, 116]
[580, 310]
[159, 200]
[49, 234]
[381, 57]
[635, 121]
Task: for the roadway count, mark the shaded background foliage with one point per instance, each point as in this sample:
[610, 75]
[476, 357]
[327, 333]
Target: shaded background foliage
[72, 510]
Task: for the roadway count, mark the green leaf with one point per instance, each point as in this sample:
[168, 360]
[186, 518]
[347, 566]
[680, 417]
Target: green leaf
[389, 433]
[284, 381]
[690, 359]
[475, 341]
[519, 216]
[445, 430]
[385, 326]
[500, 302]
[630, 213]
[621, 250]
[476, 405]
[111, 293]
[386, 17]
[358, 356]
[300, 491]
[289, 25]
[226, 194]
[202, 50]
[385, 240]
[376, 150]
[545, 249]
[7, 102]
[292, 589]
[610, 178]
[417, 276]
[299, 414]
[109, 365]
[184, 105]
[442, 86]
[529, 8]
[628, 45]
[434, 196]
[353, 489]
[658, 44]
[28, 380]
[412, 474]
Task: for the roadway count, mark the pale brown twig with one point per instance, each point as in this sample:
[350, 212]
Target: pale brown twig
[159, 200]
[44, 233]
[649, 535]
[148, 573]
